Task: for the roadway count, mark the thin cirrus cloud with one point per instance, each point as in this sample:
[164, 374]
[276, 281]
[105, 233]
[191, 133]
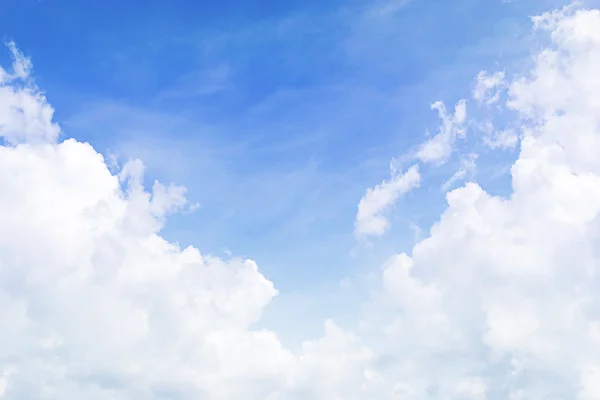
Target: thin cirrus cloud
[498, 301]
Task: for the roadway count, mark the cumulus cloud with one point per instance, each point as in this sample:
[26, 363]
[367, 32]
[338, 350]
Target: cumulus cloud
[95, 304]
[498, 301]
[371, 218]
[509, 283]
[24, 114]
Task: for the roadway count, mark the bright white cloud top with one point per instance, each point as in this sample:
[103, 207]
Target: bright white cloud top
[500, 301]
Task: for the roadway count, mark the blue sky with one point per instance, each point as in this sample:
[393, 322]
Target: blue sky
[275, 115]
[396, 199]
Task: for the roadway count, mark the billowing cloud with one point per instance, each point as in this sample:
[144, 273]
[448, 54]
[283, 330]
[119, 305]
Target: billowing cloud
[24, 114]
[499, 301]
[509, 284]
[95, 304]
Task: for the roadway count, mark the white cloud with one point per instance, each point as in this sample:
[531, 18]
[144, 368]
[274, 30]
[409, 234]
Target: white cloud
[516, 277]
[24, 113]
[6, 374]
[499, 301]
[467, 169]
[95, 304]
[370, 218]
[499, 139]
[438, 149]
[472, 389]
[488, 87]
[590, 383]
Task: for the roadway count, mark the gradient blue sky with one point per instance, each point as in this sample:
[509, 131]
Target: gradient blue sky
[276, 115]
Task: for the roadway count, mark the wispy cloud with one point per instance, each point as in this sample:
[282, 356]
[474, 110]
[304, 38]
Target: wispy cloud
[438, 149]
[370, 219]
[466, 170]
[198, 83]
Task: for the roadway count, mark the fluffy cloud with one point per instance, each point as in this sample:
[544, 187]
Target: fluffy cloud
[95, 304]
[498, 302]
[24, 114]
